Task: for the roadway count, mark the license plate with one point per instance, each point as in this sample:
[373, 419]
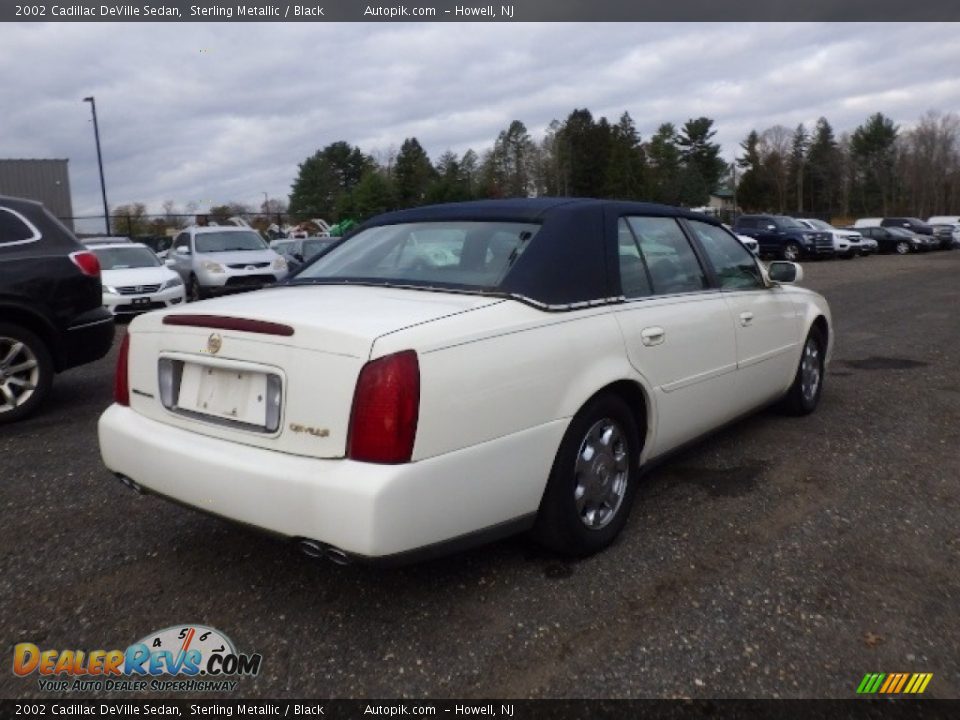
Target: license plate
[240, 396]
[141, 301]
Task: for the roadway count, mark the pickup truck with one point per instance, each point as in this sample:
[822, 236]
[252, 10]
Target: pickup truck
[784, 237]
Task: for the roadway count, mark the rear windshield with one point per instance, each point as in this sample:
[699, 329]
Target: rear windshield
[123, 258]
[214, 242]
[312, 247]
[474, 255]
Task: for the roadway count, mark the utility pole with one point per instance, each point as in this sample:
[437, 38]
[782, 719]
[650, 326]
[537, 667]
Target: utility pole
[103, 185]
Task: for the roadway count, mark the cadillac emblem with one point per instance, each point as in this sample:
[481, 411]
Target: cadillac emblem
[214, 343]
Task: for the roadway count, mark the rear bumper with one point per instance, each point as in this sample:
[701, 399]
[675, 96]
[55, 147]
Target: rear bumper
[88, 338]
[368, 511]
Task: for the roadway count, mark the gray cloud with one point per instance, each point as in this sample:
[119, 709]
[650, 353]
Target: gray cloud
[216, 112]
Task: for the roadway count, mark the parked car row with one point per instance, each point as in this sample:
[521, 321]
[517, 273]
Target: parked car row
[795, 238]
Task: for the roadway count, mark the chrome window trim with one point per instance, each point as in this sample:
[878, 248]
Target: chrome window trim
[30, 226]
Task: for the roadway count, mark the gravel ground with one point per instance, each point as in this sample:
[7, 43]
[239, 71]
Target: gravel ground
[781, 557]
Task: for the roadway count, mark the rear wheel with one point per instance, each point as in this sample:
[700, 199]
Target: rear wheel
[804, 393]
[902, 247]
[26, 372]
[593, 480]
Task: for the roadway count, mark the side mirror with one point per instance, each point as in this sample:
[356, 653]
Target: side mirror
[785, 272]
[183, 249]
[169, 262]
[771, 227]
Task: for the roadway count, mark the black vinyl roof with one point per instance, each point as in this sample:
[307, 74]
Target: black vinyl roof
[526, 209]
[571, 260]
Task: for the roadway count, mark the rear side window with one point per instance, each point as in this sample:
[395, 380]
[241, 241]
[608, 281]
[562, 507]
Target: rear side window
[634, 280]
[735, 265]
[747, 223]
[15, 229]
[673, 266]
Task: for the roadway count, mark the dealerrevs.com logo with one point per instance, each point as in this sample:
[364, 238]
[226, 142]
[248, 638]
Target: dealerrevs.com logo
[183, 658]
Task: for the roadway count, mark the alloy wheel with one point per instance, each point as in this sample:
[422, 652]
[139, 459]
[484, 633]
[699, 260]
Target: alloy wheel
[19, 373]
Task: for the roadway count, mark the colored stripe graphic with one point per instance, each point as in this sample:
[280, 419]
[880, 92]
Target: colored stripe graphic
[894, 683]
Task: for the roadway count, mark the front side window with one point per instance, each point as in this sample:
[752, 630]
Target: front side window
[673, 266]
[735, 266]
[472, 254]
[214, 242]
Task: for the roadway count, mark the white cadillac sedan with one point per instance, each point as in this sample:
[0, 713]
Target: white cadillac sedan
[456, 373]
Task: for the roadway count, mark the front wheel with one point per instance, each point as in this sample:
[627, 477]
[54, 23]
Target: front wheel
[593, 480]
[26, 372]
[194, 291]
[804, 393]
[791, 252]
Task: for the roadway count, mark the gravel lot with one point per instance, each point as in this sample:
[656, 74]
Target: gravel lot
[778, 558]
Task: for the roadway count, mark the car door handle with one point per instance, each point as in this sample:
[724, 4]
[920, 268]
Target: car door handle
[746, 318]
[652, 336]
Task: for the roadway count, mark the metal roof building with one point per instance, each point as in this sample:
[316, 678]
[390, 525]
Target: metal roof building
[45, 180]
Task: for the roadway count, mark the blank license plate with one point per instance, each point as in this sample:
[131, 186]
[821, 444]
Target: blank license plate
[141, 301]
[235, 395]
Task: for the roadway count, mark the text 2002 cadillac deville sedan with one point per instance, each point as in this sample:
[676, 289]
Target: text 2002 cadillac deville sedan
[453, 373]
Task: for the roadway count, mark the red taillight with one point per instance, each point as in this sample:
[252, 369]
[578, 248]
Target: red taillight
[87, 262]
[121, 381]
[386, 405]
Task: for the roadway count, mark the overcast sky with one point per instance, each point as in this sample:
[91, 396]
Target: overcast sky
[218, 112]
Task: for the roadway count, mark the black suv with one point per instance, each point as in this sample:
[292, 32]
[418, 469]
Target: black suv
[911, 224]
[51, 312]
[784, 237]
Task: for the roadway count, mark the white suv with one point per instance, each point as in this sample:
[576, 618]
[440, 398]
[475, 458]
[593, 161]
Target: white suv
[218, 259]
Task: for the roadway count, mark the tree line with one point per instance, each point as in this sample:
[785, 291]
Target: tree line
[877, 169]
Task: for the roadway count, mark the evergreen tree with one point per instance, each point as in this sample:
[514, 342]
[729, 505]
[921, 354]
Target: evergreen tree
[797, 165]
[873, 148]
[412, 173]
[703, 166]
[664, 158]
[325, 177]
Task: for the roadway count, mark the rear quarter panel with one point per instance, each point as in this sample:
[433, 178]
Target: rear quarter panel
[508, 368]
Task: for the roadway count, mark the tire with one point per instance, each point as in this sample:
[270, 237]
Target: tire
[902, 248]
[790, 252]
[194, 291]
[26, 372]
[801, 398]
[849, 256]
[593, 480]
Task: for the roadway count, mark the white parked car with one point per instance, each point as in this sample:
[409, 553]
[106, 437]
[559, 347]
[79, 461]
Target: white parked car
[951, 220]
[748, 242]
[846, 243]
[455, 373]
[135, 280]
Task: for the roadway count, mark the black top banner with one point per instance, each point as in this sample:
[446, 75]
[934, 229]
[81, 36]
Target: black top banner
[503, 709]
[446, 11]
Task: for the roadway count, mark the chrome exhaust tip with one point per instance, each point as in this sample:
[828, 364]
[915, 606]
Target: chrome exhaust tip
[131, 484]
[337, 556]
[317, 550]
[311, 548]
